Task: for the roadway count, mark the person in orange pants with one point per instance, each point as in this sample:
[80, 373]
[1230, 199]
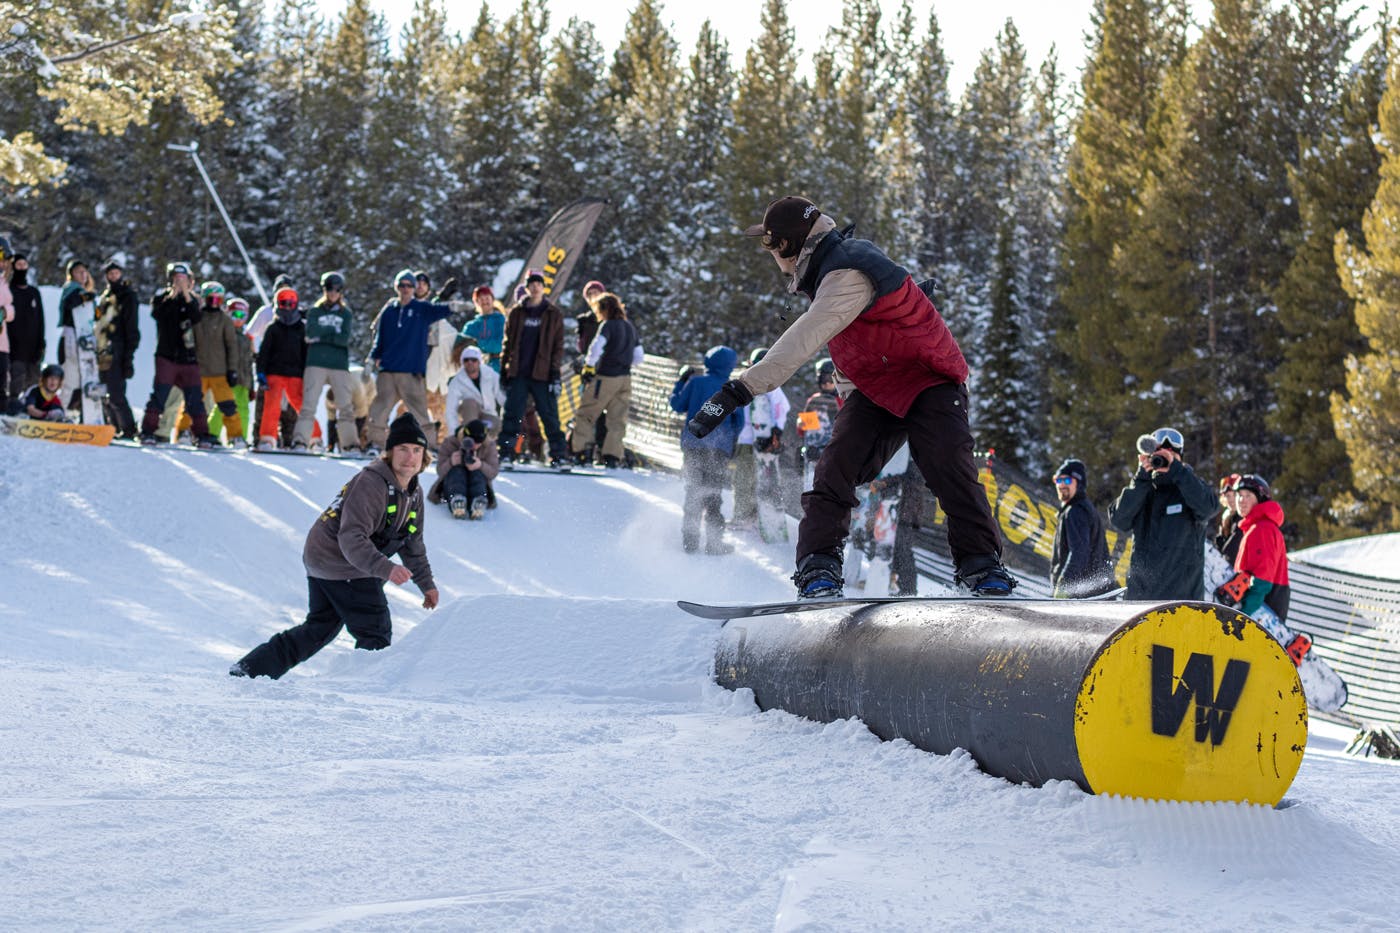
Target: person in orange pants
[281, 362]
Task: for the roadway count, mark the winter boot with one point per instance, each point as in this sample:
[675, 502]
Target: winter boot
[149, 440]
[819, 577]
[208, 442]
[718, 546]
[985, 576]
[478, 508]
[611, 462]
[186, 438]
[267, 443]
[239, 669]
[458, 506]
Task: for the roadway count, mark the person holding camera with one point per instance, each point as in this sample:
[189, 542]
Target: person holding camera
[1167, 508]
[466, 467]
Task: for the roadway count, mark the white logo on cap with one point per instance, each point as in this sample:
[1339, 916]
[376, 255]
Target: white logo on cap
[808, 212]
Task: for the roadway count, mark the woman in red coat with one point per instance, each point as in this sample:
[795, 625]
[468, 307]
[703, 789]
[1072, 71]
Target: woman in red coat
[1262, 553]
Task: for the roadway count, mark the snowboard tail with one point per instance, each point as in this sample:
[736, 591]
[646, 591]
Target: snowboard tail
[60, 432]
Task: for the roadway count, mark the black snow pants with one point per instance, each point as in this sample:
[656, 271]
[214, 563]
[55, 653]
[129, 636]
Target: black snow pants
[863, 440]
[357, 605]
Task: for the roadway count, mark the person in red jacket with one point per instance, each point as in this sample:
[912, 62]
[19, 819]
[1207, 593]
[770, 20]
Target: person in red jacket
[903, 378]
[1263, 554]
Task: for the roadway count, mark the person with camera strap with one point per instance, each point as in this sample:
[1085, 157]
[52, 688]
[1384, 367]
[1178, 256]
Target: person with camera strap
[1166, 507]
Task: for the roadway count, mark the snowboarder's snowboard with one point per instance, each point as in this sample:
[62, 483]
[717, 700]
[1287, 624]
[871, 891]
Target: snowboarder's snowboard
[98, 435]
[93, 391]
[547, 470]
[755, 610]
[772, 520]
[1323, 687]
[1218, 571]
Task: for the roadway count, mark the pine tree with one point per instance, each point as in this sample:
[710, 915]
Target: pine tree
[1367, 416]
[767, 146]
[1201, 332]
[1335, 180]
[691, 278]
[576, 136]
[644, 100]
[1135, 43]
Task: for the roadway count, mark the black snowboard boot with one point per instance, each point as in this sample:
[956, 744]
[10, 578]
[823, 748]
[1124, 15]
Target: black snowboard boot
[819, 577]
[985, 576]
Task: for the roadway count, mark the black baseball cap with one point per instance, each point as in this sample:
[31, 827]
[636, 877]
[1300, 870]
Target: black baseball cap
[789, 218]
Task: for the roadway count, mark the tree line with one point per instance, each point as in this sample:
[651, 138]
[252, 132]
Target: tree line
[1193, 231]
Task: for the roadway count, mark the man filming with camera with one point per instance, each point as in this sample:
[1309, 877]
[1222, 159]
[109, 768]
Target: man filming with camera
[1167, 508]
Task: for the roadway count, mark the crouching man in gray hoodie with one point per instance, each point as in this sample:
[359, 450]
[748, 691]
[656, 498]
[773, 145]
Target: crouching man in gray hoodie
[377, 515]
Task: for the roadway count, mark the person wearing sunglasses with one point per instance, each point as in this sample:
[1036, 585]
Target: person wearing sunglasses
[216, 342]
[1167, 508]
[1079, 562]
[400, 351]
[328, 326]
[903, 377]
[239, 313]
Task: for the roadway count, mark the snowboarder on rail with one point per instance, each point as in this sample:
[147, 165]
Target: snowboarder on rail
[377, 515]
[902, 375]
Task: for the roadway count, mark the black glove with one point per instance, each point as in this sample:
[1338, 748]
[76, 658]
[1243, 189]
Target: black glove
[687, 372]
[586, 374]
[232, 377]
[577, 365]
[128, 370]
[774, 443]
[449, 288]
[555, 387]
[733, 394]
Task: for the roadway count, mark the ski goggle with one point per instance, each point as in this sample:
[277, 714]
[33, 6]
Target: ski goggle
[1162, 437]
[239, 315]
[215, 299]
[1063, 480]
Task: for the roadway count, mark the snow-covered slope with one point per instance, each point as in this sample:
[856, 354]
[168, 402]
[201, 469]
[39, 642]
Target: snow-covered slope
[543, 751]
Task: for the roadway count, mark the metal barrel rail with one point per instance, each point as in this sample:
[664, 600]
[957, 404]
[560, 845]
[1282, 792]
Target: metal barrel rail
[1179, 701]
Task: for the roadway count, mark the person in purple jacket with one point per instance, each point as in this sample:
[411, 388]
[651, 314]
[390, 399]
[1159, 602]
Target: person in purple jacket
[400, 352]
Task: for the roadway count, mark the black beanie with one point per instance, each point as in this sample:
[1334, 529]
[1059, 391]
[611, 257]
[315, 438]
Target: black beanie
[476, 429]
[405, 430]
[1076, 469]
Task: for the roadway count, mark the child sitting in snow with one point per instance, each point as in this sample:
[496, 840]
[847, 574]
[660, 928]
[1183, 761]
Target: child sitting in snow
[42, 402]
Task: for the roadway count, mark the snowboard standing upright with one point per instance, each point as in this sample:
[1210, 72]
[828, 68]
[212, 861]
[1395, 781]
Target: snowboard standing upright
[869, 554]
[768, 490]
[93, 391]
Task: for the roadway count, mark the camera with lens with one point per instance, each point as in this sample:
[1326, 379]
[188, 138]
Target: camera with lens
[1160, 461]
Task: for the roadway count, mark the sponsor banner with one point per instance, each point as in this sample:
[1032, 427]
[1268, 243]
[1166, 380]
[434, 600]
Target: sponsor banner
[557, 250]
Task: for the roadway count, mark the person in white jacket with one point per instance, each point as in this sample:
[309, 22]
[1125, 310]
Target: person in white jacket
[475, 392]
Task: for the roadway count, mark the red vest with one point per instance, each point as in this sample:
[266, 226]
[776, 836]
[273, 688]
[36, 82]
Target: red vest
[897, 348]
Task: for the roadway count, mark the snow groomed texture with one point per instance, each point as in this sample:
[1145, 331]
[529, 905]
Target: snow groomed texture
[1180, 701]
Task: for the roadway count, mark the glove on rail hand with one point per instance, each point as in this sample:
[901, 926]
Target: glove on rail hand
[231, 377]
[733, 394]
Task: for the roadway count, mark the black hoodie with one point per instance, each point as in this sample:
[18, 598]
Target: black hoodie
[27, 343]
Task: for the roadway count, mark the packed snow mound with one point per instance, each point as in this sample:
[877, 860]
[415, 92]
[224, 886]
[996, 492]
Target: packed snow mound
[1372, 556]
[507, 647]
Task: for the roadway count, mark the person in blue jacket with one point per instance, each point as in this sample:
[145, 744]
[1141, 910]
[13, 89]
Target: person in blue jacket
[400, 352]
[706, 458]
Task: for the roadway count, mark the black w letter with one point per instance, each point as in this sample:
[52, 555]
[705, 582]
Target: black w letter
[1171, 698]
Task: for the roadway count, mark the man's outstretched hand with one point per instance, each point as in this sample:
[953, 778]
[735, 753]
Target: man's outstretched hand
[733, 394]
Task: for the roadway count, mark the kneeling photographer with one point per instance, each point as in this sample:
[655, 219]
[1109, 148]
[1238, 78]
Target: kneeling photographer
[467, 466]
[1166, 507]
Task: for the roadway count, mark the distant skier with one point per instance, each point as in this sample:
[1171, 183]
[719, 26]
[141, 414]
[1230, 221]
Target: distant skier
[905, 380]
[377, 515]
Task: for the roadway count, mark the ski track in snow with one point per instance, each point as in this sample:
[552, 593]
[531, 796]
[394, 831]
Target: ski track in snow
[544, 751]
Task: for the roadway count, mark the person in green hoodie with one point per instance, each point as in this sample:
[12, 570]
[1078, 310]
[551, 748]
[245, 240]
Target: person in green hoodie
[328, 362]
